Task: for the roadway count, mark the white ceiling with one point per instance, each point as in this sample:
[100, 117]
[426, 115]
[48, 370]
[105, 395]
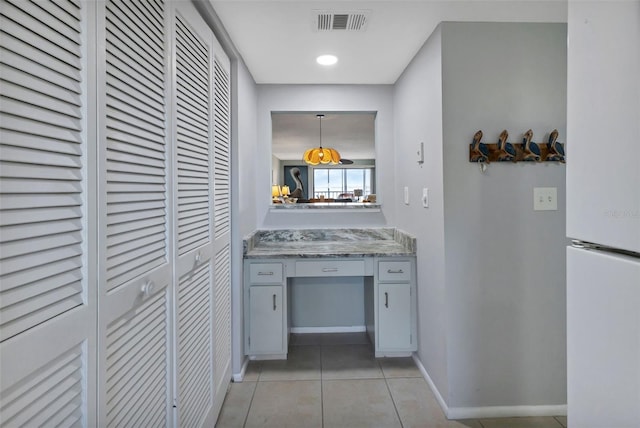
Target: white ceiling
[279, 43]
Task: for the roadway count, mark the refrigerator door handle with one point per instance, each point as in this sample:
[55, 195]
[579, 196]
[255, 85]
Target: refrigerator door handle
[576, 243]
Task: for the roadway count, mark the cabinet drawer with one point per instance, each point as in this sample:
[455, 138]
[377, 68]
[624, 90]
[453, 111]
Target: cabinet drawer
[330, 268]
[265, 273]
[394, 271]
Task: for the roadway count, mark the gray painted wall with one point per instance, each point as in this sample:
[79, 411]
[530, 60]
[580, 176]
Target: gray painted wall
[505, 263]
[418, 118]
[491, 270]
[243, 208]
[327, 302]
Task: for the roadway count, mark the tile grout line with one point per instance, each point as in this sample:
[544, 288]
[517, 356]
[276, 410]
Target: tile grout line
[321, 391]
[558, 421]
[246, 417]
[395, 407]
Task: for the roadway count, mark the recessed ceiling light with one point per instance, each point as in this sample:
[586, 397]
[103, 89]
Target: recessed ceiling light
[327, 59]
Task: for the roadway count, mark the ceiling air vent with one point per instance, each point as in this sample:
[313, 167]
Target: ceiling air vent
[325, 20]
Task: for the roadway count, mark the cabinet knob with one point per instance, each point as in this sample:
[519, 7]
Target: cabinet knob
[265, 273]
[147, 288]
[274, 302]
[329, 269]
[395, 271]
[386, 299]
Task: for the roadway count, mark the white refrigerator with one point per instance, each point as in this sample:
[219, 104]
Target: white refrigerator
[603, 214]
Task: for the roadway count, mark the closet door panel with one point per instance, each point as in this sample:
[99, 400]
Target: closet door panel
[47, 302]
[222, 216]
[135, 289]
[193, 136]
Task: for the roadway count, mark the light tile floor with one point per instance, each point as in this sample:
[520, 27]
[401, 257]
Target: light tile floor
[334, 381]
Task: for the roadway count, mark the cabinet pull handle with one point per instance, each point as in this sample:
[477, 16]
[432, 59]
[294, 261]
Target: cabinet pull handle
[386, 299]
[395, 271]
[329, 269]
[274, 302]
[265, 273]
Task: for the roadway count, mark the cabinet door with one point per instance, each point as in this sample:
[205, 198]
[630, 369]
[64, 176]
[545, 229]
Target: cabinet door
[394, 316]
[266, 323]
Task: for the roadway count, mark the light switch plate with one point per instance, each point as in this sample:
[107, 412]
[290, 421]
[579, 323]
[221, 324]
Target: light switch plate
[406, 195]
[545, 198]
[420, 153]
[425, 197]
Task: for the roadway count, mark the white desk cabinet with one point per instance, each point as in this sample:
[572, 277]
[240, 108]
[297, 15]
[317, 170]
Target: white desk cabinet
[389, 301]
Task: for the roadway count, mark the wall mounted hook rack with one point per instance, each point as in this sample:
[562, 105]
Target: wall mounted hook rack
[527, 151]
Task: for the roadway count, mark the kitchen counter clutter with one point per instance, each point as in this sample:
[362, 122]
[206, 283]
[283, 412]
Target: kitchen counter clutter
[275, 260]
[310, 243]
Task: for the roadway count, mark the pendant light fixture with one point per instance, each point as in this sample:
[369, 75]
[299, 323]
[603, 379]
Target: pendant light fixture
[320, 155]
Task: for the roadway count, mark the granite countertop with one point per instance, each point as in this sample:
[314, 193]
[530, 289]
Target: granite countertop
[327, 206]
[310, 243]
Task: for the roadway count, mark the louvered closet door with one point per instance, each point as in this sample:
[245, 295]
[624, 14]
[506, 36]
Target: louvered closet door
[135, 207]
[222, 216]
[47, 301]
[193, 137]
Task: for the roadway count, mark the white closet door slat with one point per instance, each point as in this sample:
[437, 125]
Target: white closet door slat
[40, 114]
[62, 11]
[13, 295]
[185, 99]
[135, 350]
[52, 392]
[11, 123]
[222, 260]
[222, 144]
[45, 39]
[41, 172]
[13, 216]
[193, 136]
[30, 87]
[32, 68]
[71, 7]
[15, 138]
[25, 57]
[137, 139]
[195, 371]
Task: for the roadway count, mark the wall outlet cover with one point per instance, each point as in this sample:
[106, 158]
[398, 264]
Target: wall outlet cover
[545, 198]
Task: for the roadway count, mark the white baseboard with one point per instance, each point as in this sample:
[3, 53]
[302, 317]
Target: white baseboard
[238, 377]
[506, 411]
[349, 329]
[488, 411]
[432, 385]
